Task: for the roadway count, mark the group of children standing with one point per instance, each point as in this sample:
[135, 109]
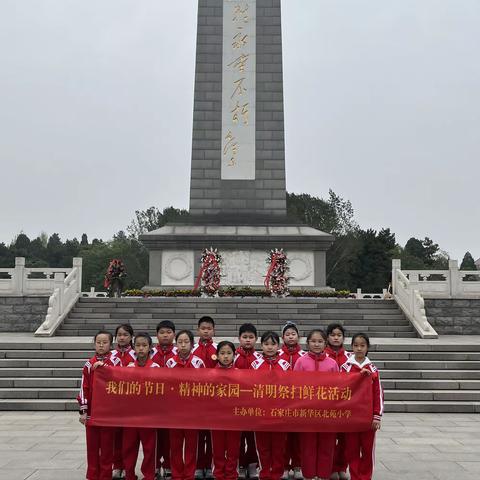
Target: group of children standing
[186, 454]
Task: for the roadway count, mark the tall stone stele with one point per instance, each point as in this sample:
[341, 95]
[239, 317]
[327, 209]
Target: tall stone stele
[237, 185]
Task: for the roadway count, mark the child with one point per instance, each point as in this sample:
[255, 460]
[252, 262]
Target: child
[99, 439]
[271, 445]
[360, 446]
[226, 444]
[183, 442]
[291, 352]
[245, 355]
[207, 351]
[125, 353]
[161, 354]
[317, 448]
[335, 350]
[147, 436]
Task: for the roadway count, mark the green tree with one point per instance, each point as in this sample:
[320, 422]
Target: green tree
[468, 263]
[151, 219]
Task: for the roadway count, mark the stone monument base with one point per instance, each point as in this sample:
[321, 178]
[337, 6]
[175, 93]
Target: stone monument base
[175, 252]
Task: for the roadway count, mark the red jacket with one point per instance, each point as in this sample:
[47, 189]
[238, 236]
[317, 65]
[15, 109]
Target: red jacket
[161, 355]
[352, 366]
[291, 355]
[207, 351]
[84, 397]
[191, 362]
[244, 358]
[125, 356]
[148, 363]
[340, 356]
[267, 363]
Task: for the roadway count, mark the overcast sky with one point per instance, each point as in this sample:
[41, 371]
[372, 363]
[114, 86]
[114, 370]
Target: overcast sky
[382, 105]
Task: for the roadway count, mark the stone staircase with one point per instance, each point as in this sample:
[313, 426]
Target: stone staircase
[378, 318]
[416, 376]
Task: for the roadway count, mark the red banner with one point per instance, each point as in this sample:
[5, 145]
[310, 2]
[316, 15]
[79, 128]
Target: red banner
[215, 399]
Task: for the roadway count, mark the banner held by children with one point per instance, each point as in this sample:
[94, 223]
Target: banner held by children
[234, 400]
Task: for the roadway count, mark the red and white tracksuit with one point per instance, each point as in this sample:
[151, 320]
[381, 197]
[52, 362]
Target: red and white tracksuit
[132, 437]
[340, 463]
[207, 351]
[226, 448]
[292, 451]
[160, 355]
[183, 442]
[271, 445]
[317, 447]
[360, 446]
[248, 450]
[125, 355]
[99, 439]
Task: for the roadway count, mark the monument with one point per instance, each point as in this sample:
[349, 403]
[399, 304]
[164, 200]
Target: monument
[237, 185]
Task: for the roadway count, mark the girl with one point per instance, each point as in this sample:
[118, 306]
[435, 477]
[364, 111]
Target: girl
[271, 445]
[183, 443]
[125, 353]
[335, 350]
[99, 439]
[291, 352]
[147, 436]
[360, 446]
[317, 448]
[226, 444]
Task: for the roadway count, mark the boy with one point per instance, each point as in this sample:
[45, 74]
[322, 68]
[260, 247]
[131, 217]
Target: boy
[205, 349]
[160, 355]
[245, 355]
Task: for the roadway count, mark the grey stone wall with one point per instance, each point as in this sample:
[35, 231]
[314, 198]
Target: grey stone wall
[264, 196]
[454, 317]
[22, 314]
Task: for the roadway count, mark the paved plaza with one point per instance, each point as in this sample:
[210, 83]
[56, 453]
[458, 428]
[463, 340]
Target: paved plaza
[51, 445]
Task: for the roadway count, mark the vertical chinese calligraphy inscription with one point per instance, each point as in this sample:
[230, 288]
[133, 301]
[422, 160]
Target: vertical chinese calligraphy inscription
[249, 180]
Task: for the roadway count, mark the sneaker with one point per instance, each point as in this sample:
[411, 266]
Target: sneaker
[297, 473]
[286, 475]
[208, 474]
[252, 471]
[198, 474]
[343, 476]
[167, 472]
[242, 473]
[117, 473]
[334, 476]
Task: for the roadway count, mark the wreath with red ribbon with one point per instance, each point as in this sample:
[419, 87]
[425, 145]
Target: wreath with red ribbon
[208, 278]
[115, 272]
[276, 280]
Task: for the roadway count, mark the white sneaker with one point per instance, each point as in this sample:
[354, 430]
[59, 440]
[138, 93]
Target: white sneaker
[117, 473]
[208, 473]
[198, 474]
[167, 472]
[242, 473]
[252, 470]
[286, 475]
[334, 476]
[343, 476]
[297, 473]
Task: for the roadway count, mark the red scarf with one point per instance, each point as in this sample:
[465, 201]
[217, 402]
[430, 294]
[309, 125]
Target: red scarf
[318, 357]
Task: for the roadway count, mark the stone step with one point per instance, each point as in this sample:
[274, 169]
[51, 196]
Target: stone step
[429, 395]
[397, 406]
[39, 393]
[419, 384]
[38, 404]
[427, 365]
[40, 382]
[431, 374]
[41, 372]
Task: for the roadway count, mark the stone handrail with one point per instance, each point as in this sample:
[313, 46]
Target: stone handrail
[66, 293]
[411, 302]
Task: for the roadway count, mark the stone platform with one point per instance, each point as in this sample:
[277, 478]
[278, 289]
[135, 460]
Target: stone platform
[51, 446]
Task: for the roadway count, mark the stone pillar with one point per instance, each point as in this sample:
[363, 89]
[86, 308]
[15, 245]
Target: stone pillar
[18, 276]
[455, 287]
[396, 265]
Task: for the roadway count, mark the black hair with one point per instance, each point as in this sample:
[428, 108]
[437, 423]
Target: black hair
[225, 343]
[207, 319]
[335, 326]
[288, 325]
[247, 328]
[317, 330]
[364, 336]
[146, 336]
[128, 328]
[103, 332]
[186, 332]
[166, 324]
[270, 335]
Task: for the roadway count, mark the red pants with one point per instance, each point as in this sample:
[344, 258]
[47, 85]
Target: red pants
[204, 454]
[226, 446]
[271, 454]
[360, 448]
[317, 454]
[99, 452]
[117, 450]
[131, 443]
[163, 448]
[340, 463]
[183, 453]
[292, 452]
[248, 449]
